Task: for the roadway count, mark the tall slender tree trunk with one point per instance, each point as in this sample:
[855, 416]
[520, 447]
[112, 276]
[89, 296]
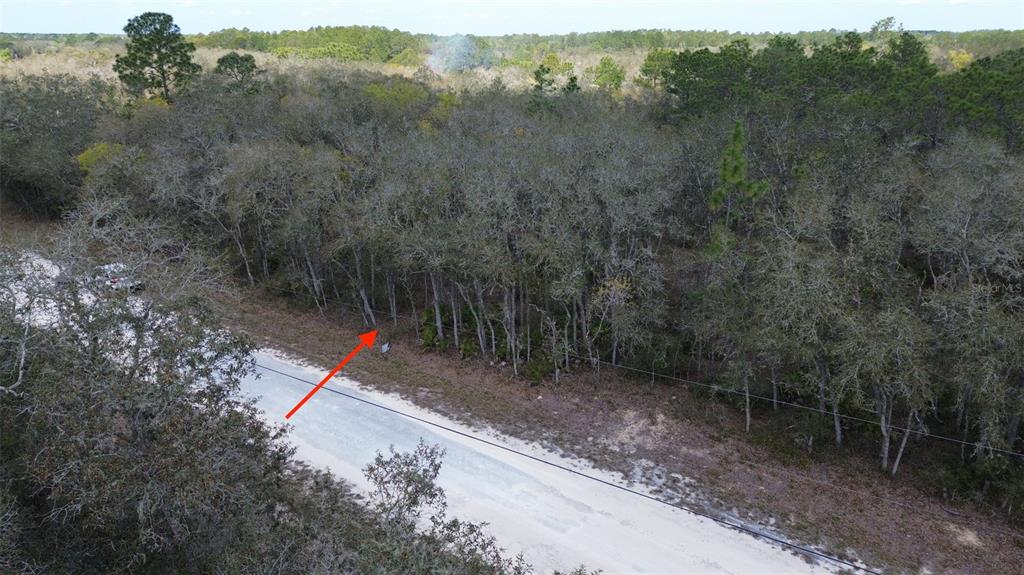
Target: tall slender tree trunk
[482, 317]
[392, 300]
[824, 379]
[775, 391]
[361, 288]
[525, 320]
[262, 246]
[585, 327]
[494, 338]
[367, 310]
[373, 280]
[746, 396]
[884, 414]
[315, 281]
[565, 348]
[334, 283]
[437, 306]
[510, 327]
[573, 319]
[237, 236]
[455, 318]
[837, 425]
[961, 408]
[903, 442]
[477, 320]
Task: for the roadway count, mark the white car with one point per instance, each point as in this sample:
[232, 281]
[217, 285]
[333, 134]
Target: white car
[116, 276]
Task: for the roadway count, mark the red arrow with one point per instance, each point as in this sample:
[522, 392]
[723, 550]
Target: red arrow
[366, 340]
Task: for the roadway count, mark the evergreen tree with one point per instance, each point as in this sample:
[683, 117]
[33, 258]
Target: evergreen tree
[608, 75]
[158, 56]
[241, 71]
[735, 186]
[572, 84]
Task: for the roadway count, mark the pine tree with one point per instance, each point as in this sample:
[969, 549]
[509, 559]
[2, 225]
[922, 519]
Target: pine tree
[158, 56]
[733, 172]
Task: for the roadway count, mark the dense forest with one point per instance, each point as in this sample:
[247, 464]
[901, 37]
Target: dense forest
[834, 225]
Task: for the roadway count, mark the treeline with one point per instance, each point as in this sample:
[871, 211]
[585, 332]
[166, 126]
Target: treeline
[382, 45]
[837, 229]
[640, 39]
[980, 43]
[951, 50]
[374, 39]
[371, 43]
[62, 38]
[12, 39]
[359, 43]
[13, 45]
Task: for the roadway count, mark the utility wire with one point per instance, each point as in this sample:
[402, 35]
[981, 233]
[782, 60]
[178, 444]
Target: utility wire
[797, 405]
[734, 391]
[798, 476]
[724, 522]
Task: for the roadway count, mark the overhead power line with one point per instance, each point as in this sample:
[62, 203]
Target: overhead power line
[719, 520]
[799, 476]
[714, 387]
[799, 406]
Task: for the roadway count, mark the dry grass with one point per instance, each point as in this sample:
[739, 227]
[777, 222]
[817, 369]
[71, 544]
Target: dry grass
[78, 62]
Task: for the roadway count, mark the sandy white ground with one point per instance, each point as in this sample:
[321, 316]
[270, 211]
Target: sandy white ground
[555, 518]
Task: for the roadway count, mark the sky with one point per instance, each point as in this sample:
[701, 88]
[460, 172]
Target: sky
[497, 17]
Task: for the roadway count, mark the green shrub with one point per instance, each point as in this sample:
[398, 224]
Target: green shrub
[408, 57]
[97, 153]
[428, 330]
[539, 367]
